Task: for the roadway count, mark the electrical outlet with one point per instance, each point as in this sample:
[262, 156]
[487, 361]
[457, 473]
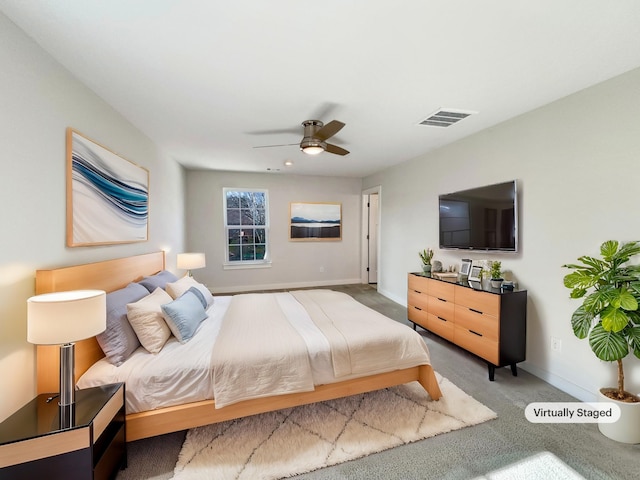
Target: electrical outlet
[556, 344]
[321, 269]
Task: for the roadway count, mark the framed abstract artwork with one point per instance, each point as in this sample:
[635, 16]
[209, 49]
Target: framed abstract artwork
[107, 195]
[315, 221]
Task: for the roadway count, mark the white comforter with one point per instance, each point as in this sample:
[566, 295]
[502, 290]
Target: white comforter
[364, 342]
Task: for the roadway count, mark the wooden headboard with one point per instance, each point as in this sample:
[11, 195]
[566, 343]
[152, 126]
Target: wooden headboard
[108, 275]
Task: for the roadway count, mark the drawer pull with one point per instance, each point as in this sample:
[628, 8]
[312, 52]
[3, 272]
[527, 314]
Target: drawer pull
[443, 319]
[476, 333]
[417, 308]
[441, 299]
[476, 311]
[417, 291]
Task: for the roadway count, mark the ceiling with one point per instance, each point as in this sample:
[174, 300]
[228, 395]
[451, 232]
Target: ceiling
[209, 80]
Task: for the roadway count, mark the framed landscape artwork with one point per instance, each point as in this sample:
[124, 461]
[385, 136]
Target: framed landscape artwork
[107, 196]
[315, 221]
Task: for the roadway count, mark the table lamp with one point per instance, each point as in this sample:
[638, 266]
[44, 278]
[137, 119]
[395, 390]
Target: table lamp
[63, 318]
[191, 261]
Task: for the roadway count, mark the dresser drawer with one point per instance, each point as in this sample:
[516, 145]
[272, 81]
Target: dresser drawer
[482, 323]
[482, 346]
[441, 308]
[481, 301]
[416, 299]
[440, 289]
[440, 326]
[417, 315]
[418, 284]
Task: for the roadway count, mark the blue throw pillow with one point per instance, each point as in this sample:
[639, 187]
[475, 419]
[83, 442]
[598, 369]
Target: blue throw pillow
[184, 315]
[196, 291]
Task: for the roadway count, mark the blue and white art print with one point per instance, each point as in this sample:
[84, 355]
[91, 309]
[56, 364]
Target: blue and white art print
[315, 221]
[107, 196]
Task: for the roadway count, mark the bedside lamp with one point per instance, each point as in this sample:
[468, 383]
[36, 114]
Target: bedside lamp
[63, 318]
[191, 261]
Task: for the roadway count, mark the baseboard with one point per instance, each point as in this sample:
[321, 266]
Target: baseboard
[286, 286]
[560, 383]
[400, 300]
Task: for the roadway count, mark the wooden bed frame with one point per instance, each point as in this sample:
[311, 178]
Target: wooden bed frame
[114, 274]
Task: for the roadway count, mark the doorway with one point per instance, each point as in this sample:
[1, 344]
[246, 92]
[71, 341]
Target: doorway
[371, 233]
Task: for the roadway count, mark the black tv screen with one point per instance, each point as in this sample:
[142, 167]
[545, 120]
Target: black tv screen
[483, 218]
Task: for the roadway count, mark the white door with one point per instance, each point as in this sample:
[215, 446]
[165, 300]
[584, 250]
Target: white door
[372, 238]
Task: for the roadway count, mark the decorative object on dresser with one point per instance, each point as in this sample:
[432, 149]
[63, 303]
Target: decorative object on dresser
[496, 274]
[191, 261]
[63, 318]
[489, 324]
[426, 255]
[36, 442]
[609, 316]
[107, 196]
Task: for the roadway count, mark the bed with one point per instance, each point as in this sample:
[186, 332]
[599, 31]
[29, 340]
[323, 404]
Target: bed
[115, 274]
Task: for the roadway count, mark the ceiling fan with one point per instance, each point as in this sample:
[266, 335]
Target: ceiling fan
[315, 138]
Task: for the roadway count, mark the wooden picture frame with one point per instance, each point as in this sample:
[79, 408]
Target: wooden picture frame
[107, 195]
[315, 221]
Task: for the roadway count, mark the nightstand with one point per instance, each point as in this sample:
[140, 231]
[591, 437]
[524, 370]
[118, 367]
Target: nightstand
[44, 440]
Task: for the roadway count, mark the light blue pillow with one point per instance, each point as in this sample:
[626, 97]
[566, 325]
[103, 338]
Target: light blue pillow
[184, 315]
[200, 296]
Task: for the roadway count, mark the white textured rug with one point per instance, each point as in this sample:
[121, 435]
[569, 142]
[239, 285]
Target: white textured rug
[297, 440]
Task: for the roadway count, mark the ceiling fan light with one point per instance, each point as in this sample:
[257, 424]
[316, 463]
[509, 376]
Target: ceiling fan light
[312, 149]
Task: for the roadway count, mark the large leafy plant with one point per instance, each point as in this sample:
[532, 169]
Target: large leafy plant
[609, 314]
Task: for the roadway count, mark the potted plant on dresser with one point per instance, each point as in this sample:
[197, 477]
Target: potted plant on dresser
[426, 255]
[495, 270]
[609, 317]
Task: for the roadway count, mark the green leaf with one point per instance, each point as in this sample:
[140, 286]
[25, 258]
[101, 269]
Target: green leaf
[613, 319]
[608, 249]
[633, 335]
[580, 279]
[581, 322]
[608, 346]
[625, 300]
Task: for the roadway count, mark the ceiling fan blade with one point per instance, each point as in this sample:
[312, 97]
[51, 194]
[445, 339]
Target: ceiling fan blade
[336, 149]
[281, 145]
[329, 130]
[277, 131]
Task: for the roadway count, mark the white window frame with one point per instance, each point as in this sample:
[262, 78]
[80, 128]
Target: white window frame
[238, 264]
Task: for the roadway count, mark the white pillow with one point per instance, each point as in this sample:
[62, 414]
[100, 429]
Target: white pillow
[145, 316]
[177, 289]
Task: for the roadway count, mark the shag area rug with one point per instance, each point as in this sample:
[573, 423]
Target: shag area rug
[301, 439]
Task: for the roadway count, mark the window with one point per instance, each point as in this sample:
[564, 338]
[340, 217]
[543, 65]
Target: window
[246, 220]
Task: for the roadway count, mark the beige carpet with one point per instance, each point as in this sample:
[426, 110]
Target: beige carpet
[297, 440]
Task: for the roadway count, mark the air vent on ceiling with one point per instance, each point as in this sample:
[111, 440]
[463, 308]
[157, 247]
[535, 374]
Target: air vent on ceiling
[445, 117]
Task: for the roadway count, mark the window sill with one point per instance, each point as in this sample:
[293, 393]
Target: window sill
[243, 266]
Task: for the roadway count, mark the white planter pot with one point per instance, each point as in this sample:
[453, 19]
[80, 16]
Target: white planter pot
[627, 428]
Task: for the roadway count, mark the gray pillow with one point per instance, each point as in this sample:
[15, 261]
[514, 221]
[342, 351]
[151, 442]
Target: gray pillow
[160, 279]
[119, 340]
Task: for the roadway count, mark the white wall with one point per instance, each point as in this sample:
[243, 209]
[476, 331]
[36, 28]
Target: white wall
[38, 100]
[294, 264]
[577, 162]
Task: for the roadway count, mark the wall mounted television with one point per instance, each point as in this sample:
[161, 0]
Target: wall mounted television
[483, 218]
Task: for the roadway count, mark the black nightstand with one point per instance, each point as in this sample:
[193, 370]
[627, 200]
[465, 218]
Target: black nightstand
[42, 440]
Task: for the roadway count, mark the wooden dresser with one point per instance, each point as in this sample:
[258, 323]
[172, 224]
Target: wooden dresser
[488, 323]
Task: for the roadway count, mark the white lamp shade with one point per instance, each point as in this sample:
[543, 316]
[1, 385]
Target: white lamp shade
[65, 317]
[191, 261]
